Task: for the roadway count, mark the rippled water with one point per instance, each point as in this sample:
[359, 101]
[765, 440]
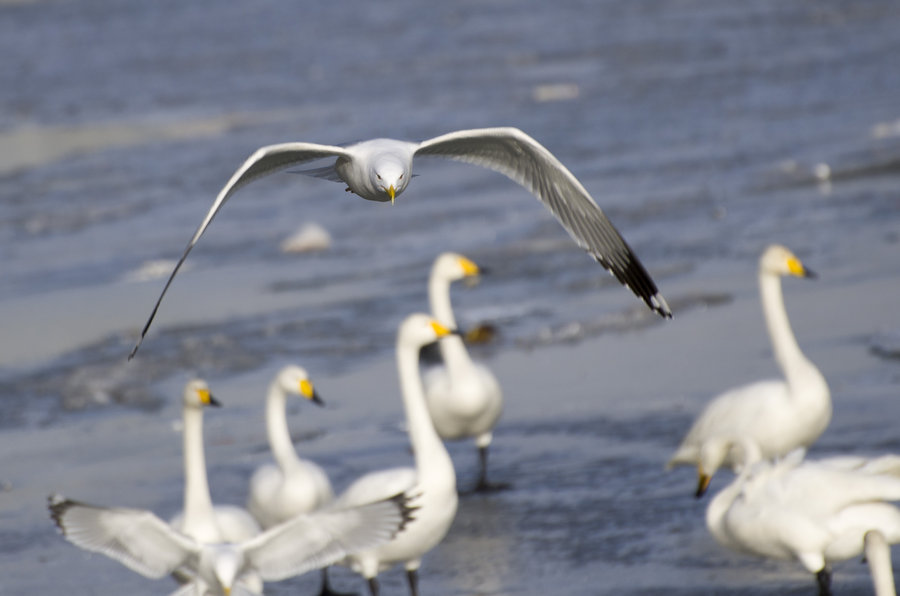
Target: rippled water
[697, 126]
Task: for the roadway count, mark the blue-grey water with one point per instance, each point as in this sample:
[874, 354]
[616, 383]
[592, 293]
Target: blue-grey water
[696, 125]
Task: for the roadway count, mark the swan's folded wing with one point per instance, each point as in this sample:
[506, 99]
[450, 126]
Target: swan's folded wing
[320, 539]
[136, 538]
[528, 163]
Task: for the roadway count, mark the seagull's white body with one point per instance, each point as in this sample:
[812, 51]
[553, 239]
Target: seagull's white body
[380, 169]
[293, 486]
[200, 519]
[431, 484]
[778, 415]
[147, 545]
[816, 512]
[464, 397]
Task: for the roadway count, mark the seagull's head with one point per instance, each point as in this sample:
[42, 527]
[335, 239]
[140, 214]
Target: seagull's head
[390, 176]
[197, 395]
[778, 260]
[453, 267]
[294, 380]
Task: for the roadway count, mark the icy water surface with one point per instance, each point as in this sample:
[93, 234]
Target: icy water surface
[699, 127]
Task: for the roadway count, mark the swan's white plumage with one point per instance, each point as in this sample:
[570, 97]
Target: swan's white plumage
[380, 169]
[463, 396]
[815, 512]
[431, 483]
[292, 486]
[778, 415]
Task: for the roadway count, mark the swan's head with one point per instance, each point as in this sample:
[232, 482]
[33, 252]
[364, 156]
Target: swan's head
[418, 330]
[197, 395]
[452, 267]
[716, 452]
[777, 260]
[390, 176]
[227, 565]
[294, 380]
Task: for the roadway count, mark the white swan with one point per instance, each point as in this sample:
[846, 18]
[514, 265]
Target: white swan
[200, 519]
[147, 545]
[380, 169]
[464, 397]
[816, 512]
[432, 482]
[778, 415]
[293, 486]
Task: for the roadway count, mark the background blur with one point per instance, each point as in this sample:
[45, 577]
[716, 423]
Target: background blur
[705, 130]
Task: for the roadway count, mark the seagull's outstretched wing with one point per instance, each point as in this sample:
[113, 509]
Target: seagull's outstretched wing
[264, 161]
[320, 539]
[525, 161]
[136, 538]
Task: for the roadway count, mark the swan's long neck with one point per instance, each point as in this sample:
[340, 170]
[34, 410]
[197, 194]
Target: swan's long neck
[432, 460]
[453, 350]
[277, 427]
[787, 353]
[198, 507]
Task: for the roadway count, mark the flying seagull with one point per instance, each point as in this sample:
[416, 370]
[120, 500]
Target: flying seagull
[380, 169]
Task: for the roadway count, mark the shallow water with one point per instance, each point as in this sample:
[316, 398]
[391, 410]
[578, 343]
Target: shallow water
[697, 126]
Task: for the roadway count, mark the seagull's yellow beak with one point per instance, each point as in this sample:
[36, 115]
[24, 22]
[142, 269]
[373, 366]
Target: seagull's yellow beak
[391, 193]
[227, 590]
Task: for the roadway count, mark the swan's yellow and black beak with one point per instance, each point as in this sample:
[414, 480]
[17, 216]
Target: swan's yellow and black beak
[442, 331]
[469, 268]
[797, 268]
[309, 392]
[702, 483]
[207, 399]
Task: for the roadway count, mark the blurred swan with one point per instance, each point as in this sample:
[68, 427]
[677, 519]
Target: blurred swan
[293, 486]
[380, 169]
[816, 512]
[464, 397]
[200, 520]
[778, 415]
[431, 483]
[147, 545]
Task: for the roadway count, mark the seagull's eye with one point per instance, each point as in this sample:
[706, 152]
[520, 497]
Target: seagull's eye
[378, 176]
[400, 177]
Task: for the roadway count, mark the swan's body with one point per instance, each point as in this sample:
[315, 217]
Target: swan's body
[778, 416]
[380, 169]
[464, 397]
[816, 512]
[200, 519]
[293, 486]
[431, 483]
[147, 545]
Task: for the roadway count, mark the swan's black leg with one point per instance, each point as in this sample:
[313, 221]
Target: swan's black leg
[412, 576]
[326, 587]
[484, 485]
[823, 580]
